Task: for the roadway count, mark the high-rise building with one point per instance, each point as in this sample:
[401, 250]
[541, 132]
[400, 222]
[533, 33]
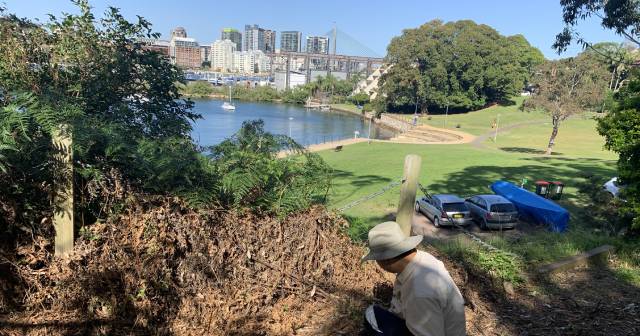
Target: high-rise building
[222, 52]
[234, 36]
[205, 52]
[178, 32]
[317, 44]
[291, 41]
[185, 52]
[256, 38]
[253, 38]
[269, 41]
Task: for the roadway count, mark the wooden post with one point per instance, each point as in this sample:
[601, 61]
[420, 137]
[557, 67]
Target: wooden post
[63, 192]
[408, 190]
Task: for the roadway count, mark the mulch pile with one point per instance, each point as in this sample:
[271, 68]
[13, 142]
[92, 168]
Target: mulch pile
[160, 268]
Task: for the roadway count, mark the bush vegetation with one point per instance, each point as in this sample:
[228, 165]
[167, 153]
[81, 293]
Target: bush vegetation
[124, 112]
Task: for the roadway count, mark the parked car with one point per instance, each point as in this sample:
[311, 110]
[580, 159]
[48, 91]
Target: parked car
[492, 211]
[444, 210]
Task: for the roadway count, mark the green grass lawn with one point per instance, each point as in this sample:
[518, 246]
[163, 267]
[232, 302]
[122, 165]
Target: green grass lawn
[576, 138]
[362, 169]
[347, 107]
[479, 122]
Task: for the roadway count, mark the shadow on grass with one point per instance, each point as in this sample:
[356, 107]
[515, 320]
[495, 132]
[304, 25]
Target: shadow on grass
[356, 181]
[477, 179]
[524, 150]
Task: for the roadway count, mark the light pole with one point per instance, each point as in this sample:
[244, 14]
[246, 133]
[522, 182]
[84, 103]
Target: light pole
[290, 119]
[495, 137]
[446, 114]
[369, 136]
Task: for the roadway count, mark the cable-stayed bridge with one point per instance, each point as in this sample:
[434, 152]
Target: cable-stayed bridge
[345, 57]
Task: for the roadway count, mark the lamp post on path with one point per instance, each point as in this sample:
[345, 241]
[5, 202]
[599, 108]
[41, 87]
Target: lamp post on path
[495, 137]
[290, 119]
[446, 115]
[369, 136]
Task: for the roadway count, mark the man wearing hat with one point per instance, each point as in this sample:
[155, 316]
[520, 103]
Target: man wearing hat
[425, 300]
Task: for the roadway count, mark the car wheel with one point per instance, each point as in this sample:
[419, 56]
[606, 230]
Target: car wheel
[436, 222]
[484, 225]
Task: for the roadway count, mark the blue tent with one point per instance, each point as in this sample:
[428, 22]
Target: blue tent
[533, 207]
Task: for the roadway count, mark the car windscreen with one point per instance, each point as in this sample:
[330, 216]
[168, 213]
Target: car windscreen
[454, 207]
[503, 207]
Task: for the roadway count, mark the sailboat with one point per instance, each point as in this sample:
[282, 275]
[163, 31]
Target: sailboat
[227, 105]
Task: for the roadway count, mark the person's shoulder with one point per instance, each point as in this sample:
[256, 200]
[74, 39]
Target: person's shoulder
[428, 259]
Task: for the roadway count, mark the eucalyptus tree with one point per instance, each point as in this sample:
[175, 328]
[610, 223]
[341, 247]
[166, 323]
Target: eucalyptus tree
[567, 87]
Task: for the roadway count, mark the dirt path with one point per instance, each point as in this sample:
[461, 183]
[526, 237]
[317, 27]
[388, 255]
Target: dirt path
[478, 142]
[327, 145]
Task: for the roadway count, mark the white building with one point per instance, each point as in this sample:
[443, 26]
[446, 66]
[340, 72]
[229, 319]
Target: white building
[222, 55]
[249, 62]
[317, 44]
[295, 79]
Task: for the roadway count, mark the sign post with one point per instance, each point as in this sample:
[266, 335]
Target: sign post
[63, 192]
[408, 190]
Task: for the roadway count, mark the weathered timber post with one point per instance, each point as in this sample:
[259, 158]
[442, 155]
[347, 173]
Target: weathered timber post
[408, 190]
[63, 192]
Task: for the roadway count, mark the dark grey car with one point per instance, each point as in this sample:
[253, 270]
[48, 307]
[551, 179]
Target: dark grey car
[492, 211]
[444, 210]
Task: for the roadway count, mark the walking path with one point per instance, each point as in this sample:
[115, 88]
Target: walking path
[478, 142]
[327, 145]
[424, 135]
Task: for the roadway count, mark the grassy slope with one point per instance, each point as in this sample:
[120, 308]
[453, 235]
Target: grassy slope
[479, 122]
[464, 169]
[347, 107]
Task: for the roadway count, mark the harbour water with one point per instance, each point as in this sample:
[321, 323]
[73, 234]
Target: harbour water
[307, 126]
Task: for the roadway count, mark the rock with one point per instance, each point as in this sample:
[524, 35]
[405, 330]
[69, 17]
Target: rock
[508, 288]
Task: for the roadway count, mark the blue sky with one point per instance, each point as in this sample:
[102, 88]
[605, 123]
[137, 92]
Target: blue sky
[371, 22]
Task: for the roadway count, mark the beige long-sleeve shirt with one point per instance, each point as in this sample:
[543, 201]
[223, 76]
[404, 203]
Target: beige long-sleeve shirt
[425, 295]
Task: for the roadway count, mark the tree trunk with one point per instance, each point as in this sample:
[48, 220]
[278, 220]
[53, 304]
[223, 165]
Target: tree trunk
[424, 110]
[613, 73]
[552, 138]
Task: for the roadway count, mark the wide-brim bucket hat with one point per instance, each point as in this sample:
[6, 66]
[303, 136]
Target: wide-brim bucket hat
[386, 241]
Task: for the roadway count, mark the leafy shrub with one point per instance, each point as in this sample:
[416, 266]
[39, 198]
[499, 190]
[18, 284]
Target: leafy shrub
[253, 176]
[297, 95]
[360, 98]
[198, 89]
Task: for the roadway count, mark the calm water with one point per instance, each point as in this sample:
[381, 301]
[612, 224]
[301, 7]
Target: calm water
[307, 126]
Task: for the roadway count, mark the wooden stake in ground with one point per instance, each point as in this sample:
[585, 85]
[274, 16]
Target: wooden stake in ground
[408, 190]
[63, 192]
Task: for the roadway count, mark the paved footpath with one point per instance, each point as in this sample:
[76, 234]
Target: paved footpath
[328, 145]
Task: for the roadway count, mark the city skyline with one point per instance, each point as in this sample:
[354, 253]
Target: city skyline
[372, 23]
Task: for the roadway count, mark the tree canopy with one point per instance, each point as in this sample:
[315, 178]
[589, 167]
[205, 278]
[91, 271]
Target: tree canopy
[460, 64]
[620, 16]
[620, 126]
